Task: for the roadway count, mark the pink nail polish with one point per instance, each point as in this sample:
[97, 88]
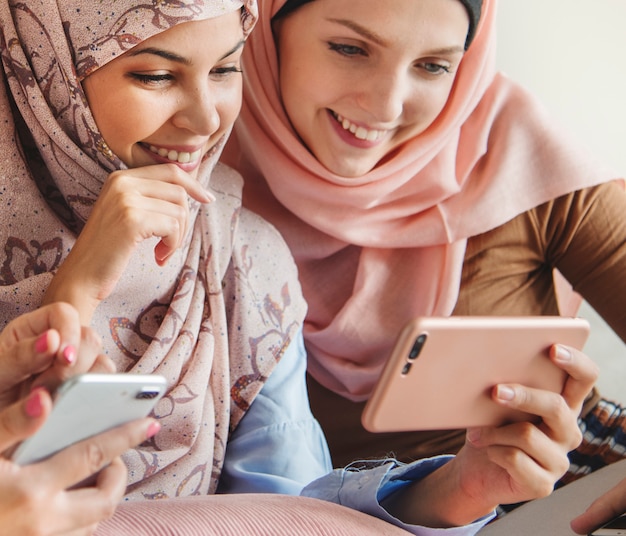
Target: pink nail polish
[69, 354]
[41, 345]
[34, 404]
[153, 429]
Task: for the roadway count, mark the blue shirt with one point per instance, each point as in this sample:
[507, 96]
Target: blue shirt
[279, 447]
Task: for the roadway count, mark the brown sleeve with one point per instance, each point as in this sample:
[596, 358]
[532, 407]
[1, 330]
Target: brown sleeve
[586, 240]
[508, 270]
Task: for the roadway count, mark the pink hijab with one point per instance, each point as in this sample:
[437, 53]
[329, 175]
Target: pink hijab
[376, 250]
[215, 320]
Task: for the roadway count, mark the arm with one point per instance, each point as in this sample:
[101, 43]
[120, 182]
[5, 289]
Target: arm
[586, 232]
[510, 463]
[278, 447]
[606, 507]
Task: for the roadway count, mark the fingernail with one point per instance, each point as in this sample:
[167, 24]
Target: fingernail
[41, 345]
[153, 429]
[210, 197]
[504, 392]
[34, 403]
[563, 354]
[69, 354]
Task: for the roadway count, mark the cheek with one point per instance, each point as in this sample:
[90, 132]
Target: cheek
[229, 107]
[426, 107]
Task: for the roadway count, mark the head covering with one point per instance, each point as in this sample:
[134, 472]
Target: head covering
[473, 10]
[376, 250]
[177, 320]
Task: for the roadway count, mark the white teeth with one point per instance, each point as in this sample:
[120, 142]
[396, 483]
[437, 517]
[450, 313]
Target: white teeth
[359, 132]
[182, 158]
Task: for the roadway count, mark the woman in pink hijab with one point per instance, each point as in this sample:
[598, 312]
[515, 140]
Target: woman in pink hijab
[409, 178]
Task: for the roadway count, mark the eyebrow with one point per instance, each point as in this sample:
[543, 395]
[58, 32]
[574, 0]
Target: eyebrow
[177, 58]
[379, 40]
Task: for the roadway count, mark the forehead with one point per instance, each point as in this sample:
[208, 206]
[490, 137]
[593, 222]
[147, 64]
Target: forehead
[402, 24]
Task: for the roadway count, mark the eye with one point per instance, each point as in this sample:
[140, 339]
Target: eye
[224, 72]
[152, 79]
[435, 68]
[346, 50]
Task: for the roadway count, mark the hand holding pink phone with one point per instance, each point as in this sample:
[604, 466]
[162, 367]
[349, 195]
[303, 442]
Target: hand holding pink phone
[442, 370]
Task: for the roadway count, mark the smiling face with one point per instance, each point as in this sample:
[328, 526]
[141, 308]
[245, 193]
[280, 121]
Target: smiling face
[359, 79]
[173, 96]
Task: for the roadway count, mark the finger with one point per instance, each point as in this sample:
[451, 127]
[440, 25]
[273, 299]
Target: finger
[29, 342]
[57, 316]
[172, 173]
[76, 463]
[103, 364]
[27, 357]
[556, 418]
[582, 373]
[169, 174]
[83, 359]
[530, 441]
[90, 505]
[606, 507]
[24, 418]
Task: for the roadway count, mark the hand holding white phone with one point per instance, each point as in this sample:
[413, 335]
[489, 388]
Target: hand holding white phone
[88, 404]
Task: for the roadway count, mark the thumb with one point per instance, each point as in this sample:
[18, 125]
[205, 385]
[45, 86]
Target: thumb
[24, 418]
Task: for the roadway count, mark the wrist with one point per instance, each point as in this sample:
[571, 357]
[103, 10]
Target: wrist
[438, 500]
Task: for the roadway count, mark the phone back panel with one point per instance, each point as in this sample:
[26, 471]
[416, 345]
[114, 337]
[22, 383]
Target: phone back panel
[88, 404]
[448, 384]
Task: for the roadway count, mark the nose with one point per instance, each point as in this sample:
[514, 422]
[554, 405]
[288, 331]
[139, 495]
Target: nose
[385, 96]
[197, 110]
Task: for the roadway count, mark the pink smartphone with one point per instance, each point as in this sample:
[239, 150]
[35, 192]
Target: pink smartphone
[441, 372]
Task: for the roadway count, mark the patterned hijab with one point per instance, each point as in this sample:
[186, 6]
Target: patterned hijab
[175, 320]
[376, 250]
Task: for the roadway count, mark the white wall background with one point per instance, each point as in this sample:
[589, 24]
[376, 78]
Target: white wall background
[572, 53]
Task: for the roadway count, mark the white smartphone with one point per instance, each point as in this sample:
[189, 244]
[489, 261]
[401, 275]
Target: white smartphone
[88, 404]
[441, 372]
[615, 527]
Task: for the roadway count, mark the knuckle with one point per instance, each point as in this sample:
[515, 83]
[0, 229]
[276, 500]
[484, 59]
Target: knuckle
[543, 487]
[563, 466]
[526, 432]
[109, 505]
[94, 457]
[91, 337]
[64, 310]
[577, 438]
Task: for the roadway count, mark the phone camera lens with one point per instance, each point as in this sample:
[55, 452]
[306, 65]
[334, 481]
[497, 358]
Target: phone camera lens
[147, 394]
[417, 346]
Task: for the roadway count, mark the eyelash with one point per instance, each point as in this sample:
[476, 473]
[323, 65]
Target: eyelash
[438, 68]
[352, 50]
[155, 79]
[346, 50]
[149, 79]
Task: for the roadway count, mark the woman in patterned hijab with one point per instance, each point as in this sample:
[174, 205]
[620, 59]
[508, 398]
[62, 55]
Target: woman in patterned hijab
[163, 280]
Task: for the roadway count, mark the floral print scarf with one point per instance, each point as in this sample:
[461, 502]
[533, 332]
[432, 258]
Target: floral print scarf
[175, 320]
